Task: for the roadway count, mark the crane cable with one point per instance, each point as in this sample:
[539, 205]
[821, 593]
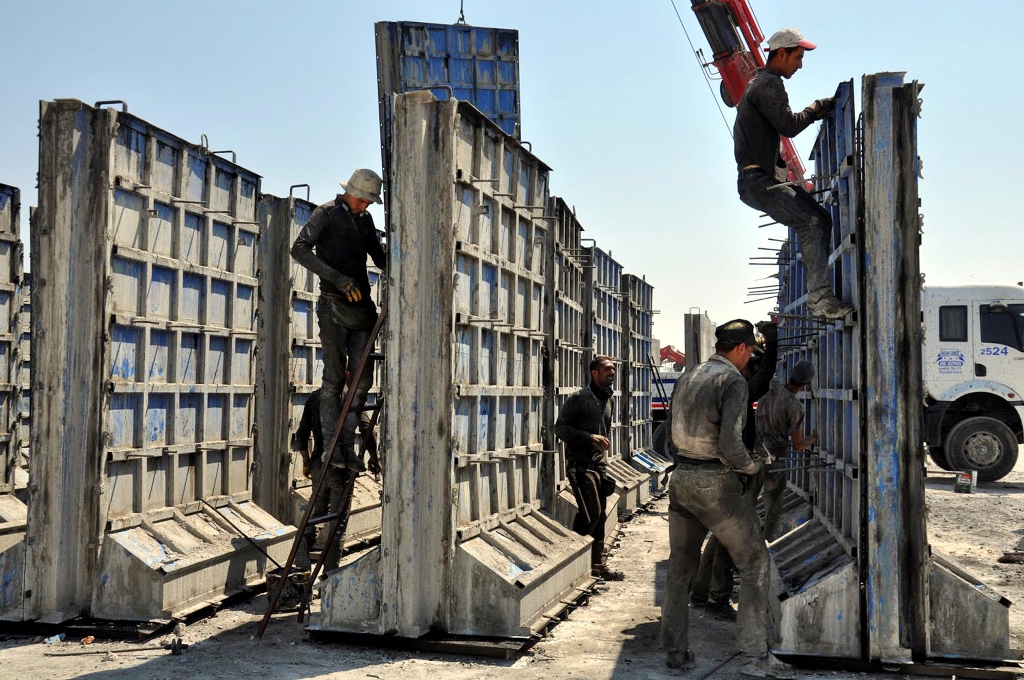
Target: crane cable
[702, 68]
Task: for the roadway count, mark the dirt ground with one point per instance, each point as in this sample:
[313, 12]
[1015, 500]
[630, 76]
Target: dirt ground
[614, 636]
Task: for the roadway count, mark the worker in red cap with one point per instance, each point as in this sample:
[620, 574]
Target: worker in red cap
[762, 116]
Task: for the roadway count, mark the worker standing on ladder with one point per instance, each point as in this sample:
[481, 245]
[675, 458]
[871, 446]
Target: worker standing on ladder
[584, 424]
[708, 492]
[334, 245]
[780, 417]
[762, 115]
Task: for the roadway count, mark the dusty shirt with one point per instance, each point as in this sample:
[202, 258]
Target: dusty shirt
[334, 244]
[709, 409]
[778, 414]
[761, 116]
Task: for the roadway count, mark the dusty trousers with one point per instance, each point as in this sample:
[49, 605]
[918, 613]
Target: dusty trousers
[329, 502]
[714, 582]
[703, 499]
[343, 347]
[774, 487]
[793, 207]
[590, 518]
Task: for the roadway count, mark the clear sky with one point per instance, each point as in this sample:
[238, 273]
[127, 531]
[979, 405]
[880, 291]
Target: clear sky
[612, 99]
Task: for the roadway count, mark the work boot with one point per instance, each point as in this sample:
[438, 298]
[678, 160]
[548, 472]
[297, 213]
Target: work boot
[768, 666]
[682, 662]
[824, 303]
[602, 571]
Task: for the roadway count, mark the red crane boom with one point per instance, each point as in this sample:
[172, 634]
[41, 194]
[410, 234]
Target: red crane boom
[735, 39]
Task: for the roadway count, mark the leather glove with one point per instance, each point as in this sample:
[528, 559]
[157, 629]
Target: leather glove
[351, 291]
[306, 471]
[769, 329]
[822, 107]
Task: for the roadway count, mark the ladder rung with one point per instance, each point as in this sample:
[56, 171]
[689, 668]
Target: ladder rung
[324, 518]
[376, 356]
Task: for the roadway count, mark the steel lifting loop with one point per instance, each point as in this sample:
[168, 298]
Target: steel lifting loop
[298, 186]
[107, 102]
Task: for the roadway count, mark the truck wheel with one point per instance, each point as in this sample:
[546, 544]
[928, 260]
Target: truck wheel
[938, 456]
[983, 444]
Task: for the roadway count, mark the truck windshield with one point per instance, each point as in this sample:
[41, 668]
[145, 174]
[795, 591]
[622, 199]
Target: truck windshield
[1003, 327]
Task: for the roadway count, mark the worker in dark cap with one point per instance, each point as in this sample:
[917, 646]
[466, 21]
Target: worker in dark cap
[780, 418]
[713, 584]
[706, 492]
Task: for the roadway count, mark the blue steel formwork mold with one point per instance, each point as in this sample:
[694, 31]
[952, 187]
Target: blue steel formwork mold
[13, 513]
[291, 367]
[569, 348]
[466, 545]
[608, 316]
[857, 581]
[144, 373]
[476, 64]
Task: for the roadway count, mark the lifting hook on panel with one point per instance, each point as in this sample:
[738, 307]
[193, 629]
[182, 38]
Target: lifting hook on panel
[234, 158]
[462, 13]
[297, 186]
[204, 143]
[107, 102]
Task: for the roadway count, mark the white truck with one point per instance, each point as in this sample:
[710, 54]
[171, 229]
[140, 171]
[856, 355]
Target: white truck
[973, 355]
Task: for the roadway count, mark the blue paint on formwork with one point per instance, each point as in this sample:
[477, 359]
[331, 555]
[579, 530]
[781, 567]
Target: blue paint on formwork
[481, 65]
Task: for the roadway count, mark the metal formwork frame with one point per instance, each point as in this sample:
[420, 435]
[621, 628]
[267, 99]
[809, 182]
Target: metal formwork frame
[637, 339]
[861, 567]
[465, 546]
[291, 367]
[10, 338]
[144, 371]
[604, 309]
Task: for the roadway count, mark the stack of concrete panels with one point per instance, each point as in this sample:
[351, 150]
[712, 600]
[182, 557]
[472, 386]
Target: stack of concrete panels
[13, 513]
[291, 355]
[638, 341]
[143, 372]
[570, 344]
[465, 546]
[607, 313]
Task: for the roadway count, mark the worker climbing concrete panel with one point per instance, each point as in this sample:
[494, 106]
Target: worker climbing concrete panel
[466, 546]
[291, 368]
[144, 373]
[13, 477]
[861, 564]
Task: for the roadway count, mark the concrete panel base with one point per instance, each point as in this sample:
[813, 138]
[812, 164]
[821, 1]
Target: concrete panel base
[13, 517]
[566, 509]
[504, 581]
[173, 561]
[968, 620]
[818, 604]
[633, 486]
[364, 519]
[507, 578]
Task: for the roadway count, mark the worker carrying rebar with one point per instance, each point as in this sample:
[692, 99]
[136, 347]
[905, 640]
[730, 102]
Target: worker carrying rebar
[762, 115]
[713, 584]
[334, 244]
[780, 418]
[333, 491]
[584, 424]
[707, 492]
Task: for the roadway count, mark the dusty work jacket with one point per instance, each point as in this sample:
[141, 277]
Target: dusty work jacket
[585, 413]
[762, 115]
[778, 414]
[709, 410]
[334, 244]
